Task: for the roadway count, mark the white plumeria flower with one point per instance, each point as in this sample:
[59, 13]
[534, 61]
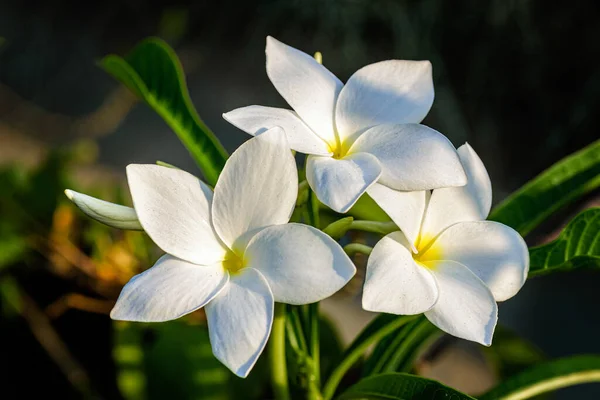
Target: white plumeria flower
[233, 252]
[448, 262]
[356, 134]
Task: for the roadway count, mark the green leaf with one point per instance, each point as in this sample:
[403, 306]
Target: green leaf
[12, 249]
[153, 72]
[379, 328]
[511, 354]
[401, 387]
[398, 351]
[578, 246]
[554, 188]
[546, 377]
[173, 359]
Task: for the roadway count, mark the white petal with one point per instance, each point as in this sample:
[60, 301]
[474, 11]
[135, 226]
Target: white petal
[257, 188]
[406, 209]
[471, 202]
[388, 92]
[174, 208]
[394, 282]
[239, 321]
[302, 264]
[257, 119]
[114, 215]
[465, 307]
[306, 85]
[496, 253]
[413, 157]
[169, 290]
[339, 183]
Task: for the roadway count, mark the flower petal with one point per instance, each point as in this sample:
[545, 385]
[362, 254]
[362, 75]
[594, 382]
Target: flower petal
[257, 119]
[302, 264]
[394, 282]
[257, 188]
[111, 214]
[387, 92]
[471, 202]
[173, 206]
[239, 321]
[496, 253]
[339, 183]
[306, 85]
[169, 290]
[406, 209]
[413, 157]
[465, 307]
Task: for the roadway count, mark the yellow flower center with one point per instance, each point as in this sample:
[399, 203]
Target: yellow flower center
[428, 251]
[233, 263]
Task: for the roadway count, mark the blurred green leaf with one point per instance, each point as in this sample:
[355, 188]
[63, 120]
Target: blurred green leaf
[559, 185]
[401, 387]
[546, 377]
[11, 296]
[12, 249]
[578, 246]
[153, 72]
[511, 354]
[175, 360]
[128, 355]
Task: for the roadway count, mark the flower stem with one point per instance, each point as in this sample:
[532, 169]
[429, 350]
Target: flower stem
[382, 228]
[353, 248]
[315, 349]
[279, 376]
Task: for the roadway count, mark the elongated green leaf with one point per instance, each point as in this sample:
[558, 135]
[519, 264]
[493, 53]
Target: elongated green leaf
[547, 377]
[379, 328]
[398, 351]
[554, 188]
[578, 246]
[153, 72]
[383, 352]
[401, 387]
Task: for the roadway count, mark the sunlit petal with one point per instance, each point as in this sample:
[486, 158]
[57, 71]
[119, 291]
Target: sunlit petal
[169, 290]
[240, 320]
[302, 264]
[395, 283]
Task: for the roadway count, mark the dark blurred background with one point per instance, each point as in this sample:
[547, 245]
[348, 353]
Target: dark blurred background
[519, 80]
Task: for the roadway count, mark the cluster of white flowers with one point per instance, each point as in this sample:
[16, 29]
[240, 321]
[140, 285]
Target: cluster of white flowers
[234, 252]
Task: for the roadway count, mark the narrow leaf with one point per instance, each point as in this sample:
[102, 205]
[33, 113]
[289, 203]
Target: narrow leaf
[546, 377]
[153, 72]
[401, 386]
[379, 328]
[578, 246]
[559, 185]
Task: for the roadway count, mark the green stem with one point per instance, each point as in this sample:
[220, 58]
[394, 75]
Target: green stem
[315, 350]
[357, 349]
[314, 385]
[382, 228]
[353, 248]
[279, 376]
[293, 318]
